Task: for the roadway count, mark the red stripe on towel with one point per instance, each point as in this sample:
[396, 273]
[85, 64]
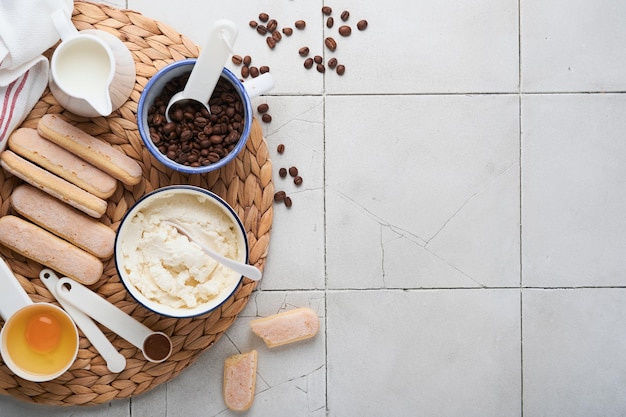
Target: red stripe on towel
[9, 105]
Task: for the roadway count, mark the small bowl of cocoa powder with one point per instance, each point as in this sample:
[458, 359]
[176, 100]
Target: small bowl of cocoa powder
[195, 141]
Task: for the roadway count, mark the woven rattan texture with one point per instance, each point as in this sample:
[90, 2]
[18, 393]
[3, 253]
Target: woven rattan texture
[246, 184]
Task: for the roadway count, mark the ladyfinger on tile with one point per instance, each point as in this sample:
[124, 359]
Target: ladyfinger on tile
[96, 151]
[41, 246]
[29, 144]
[64, 221]
[286, 327]
[53, 185]
[240, 380]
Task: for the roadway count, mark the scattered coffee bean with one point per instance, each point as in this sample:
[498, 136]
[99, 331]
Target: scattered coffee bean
[245, 71]
[362, 25]
[308, 63]
[345, 15]
[341, 69]
[330, 43]
[330, 22]
[332, 63]
[280, 148]
[263, 69]
[288, 202]
[345, 30]
[300, 24]
[287, 31]
[263, 108]
[282, 172]
[277, 36]
[293, 171]
[266, 118]
[263, 17]
[297, 180]
[271, 42]
[304, 51]
[320, 68]
[237, 59]
[279, 196]
[196, 137]
[247, 60]
[254, 71]
[261, 29]
[253, 24]
[272, 25]
[327, 10]
[317, 59]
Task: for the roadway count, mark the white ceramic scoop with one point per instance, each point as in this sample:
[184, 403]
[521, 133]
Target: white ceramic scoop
[156, 346]
[208, 67]
[116, 362]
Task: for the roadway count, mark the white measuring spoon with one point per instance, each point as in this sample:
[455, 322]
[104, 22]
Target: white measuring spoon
[156, 346]
[244, 269]
[116, 362]
[208, 67]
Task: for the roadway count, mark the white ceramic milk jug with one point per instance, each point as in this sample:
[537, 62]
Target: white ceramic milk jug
[92, 72]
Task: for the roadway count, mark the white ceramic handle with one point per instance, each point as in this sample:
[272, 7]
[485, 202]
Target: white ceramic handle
[208, 67]
[102, 311]
[116, 362]
[63, 25]
[12, 296]
[259, 85]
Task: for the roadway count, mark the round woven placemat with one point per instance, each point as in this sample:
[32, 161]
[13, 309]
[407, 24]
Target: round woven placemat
[246, 184]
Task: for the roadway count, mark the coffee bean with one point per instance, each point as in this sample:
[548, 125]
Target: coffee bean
[271, 42]
[254, 71]
[332, 63]
[300, 24]
[279, 196]
[304, 51]
[362, 25]
[288, 31]
[277, 36]
[330, 43]
[320, 68]
[253, 24]
[280, 148]
[308, 63]
[263, 17]
[263, 69]
[272, 25]
[330, 22]
[245, 71]
[345, 15]
[288, 202]
[345, 30]
[237, 59]
[327, 10]
[263, 108]
[266, 118]
[282, 172]
[247, 60]
[297, 180]
[341, 69]
[293, 171]
[317, 59]
[261, 29]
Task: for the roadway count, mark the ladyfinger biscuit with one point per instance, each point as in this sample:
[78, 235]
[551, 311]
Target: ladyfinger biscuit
[286, 327]
[240, 380]
[41, 246]
[63, 220]
[91, 149]
[53, 185]
[29, 144]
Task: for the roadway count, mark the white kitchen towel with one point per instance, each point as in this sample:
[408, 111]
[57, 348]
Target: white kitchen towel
[26, 32]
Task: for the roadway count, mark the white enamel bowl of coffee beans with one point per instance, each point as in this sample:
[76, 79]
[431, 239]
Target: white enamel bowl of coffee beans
[162, 269]
[195, 141]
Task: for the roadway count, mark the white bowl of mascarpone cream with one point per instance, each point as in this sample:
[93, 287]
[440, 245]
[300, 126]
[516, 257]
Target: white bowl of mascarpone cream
[162, 269]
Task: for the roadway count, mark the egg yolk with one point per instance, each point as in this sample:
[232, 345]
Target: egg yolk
[43, 333]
